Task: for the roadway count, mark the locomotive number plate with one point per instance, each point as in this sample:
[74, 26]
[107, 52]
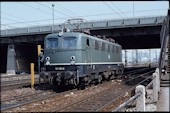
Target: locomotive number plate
[59, 68]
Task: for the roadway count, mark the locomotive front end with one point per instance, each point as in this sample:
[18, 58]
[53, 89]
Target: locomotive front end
[60, 56]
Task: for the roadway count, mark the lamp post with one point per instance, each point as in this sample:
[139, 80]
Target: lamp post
[133, 10]
[53, 19]
[136, 56]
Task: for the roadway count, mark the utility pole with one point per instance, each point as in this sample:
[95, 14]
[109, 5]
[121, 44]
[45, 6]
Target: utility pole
[53, 18]
[133, 10]
[156, 55]
[136, 56]
[149, 56]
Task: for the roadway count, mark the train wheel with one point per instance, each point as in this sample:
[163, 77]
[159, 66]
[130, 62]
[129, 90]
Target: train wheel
[81, 87]
[89, 81]
[113, 75]
[56, 88]
[106, 76]
[119, 72]
[100, 79]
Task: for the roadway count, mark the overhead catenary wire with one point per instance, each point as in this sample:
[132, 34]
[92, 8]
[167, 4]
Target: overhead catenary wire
[85, 16]
[68, 10]
[112, 9]
[13, 16]
[11, 20]
[30, 7]
[116, 12]
[34, 8]
[61, 7]
[55, 10]
[119, 14]
[7, 26]
[119, 9]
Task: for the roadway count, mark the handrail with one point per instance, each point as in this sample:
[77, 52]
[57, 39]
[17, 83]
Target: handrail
[150, 83]
[136, 95]
[163, 37]
[127, 102]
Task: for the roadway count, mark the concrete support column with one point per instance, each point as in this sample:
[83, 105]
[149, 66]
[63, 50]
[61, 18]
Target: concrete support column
[140, 102]
[11, 63]
[155, 87]
[158, 79]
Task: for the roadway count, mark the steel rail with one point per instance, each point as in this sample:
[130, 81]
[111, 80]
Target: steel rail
[131, 89]
[127, 102]
[34, 100]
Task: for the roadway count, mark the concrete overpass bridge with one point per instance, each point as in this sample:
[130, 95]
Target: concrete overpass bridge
[119, 30]
[20, 45]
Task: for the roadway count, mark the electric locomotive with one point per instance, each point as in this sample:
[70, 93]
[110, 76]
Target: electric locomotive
[80, 59]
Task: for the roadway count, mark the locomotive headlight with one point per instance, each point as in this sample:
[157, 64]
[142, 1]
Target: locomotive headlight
[72, 58]
[47, 63]
[72, 62]
[47, 60]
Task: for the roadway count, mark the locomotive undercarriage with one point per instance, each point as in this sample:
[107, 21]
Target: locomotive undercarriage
[59, 77]
[95, 78]
[85, 78]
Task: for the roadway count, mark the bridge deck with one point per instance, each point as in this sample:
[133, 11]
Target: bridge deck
[137, 22]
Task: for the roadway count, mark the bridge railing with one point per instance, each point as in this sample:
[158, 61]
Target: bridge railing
[140, 92]
[164, 41]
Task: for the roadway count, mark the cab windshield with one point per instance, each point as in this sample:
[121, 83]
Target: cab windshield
[52, 43]
[69, 42]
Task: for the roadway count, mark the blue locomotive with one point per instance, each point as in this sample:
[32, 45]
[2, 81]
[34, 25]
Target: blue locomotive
[80, 59]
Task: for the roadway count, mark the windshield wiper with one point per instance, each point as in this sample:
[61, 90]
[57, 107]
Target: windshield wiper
[70, 44]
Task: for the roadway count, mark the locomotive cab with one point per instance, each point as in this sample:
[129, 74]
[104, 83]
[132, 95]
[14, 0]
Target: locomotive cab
[60, 49]
[61, 52]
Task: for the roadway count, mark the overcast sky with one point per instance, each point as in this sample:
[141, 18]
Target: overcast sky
[23, 14]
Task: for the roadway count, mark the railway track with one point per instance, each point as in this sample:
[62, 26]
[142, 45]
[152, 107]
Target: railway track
[135, 79]
[56, 96]
[96, 102]
[19, 101]
[101, 100]
[13, 84]
[137, 71]
[17, 75]
[19, 82]
[23, 100]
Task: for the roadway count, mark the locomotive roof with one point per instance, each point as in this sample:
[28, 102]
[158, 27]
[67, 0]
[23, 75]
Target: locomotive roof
[76, 34]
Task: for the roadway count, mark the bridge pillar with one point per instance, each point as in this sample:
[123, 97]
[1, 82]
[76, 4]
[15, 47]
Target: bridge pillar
[11, 64]
[140, 102]
[155, 86]
[158, 79]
